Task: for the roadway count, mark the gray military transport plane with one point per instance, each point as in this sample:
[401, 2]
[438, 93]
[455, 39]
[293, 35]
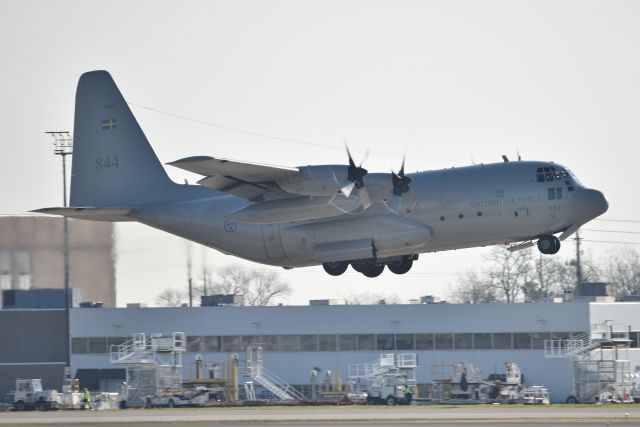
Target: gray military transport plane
[334, 215]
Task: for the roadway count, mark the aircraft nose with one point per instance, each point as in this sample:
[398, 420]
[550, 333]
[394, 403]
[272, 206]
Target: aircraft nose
[591, 203]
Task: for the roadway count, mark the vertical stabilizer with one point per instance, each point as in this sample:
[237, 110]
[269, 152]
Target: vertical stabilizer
[113, 163]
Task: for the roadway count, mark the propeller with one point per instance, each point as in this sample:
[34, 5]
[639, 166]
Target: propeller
[355, 175]
[400, 188]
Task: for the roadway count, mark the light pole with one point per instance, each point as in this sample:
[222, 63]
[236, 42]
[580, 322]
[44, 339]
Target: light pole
[63, 146]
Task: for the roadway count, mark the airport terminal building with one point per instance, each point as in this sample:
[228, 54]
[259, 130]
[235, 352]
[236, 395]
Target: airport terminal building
[297, 339]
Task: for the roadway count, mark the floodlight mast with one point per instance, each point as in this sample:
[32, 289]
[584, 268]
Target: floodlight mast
[63, 146]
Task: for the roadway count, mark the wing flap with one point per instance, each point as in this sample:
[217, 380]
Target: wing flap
[249, 172]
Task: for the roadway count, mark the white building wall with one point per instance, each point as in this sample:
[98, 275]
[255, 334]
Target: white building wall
[295, 367]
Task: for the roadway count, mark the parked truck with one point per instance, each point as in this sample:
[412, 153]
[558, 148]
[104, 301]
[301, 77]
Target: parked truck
[29, 395]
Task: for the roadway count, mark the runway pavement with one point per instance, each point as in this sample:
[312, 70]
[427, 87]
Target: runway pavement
[595, 415]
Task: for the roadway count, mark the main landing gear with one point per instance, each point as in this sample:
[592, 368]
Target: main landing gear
[548, 244]
[370, 267]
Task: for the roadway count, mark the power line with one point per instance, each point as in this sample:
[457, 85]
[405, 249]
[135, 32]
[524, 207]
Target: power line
[618, 220]
[611, 231]
[275, 137]
[610, 241]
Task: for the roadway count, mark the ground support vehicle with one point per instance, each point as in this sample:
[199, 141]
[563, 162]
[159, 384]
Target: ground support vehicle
[198, 396]
[29, 395]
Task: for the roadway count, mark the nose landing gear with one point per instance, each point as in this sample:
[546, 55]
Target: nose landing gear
[548, 244]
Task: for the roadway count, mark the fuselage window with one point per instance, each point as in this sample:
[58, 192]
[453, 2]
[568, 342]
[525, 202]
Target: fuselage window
[559, 193]
[460, 216]
[441, 218]
[540, 177]
[552, 194]
[479, 213]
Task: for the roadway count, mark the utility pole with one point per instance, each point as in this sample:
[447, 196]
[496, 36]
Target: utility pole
[189, 276]
[578, 264]
[63, 146]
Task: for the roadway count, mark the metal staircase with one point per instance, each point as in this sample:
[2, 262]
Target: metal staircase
[258, 374]
[600, 371]
[152, 363]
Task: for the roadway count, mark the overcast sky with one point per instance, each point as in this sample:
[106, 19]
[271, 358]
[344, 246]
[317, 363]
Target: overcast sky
[449, 82]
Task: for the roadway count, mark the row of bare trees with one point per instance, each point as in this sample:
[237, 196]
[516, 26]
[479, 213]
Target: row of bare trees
[257, 286]
[527, 275]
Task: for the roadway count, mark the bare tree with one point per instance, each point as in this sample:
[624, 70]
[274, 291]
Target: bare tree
[473, 289]
[510, 272]
[623, 272]
[258, 287]
[366, 298]
[171, 298]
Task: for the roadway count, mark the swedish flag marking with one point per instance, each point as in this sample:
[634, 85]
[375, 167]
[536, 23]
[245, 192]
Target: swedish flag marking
[108, 124]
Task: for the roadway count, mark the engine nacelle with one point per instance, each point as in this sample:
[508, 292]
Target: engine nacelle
[322, 180]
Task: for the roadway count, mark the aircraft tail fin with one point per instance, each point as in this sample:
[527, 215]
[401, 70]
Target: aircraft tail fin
[113, 163]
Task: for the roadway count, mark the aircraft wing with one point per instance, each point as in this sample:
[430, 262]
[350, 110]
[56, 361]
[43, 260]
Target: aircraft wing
[251, 181]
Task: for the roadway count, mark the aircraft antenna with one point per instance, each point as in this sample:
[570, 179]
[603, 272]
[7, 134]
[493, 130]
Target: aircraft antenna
[63, 146]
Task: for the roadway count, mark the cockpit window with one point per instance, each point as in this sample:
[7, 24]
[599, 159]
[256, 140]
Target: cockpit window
[550, 174]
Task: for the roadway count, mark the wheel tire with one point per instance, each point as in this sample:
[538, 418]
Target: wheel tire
[362, 265]
[171, 403]
[557, 245]
[122, 404]
[374, 271]
[547, 244]
[571, 400]
[148, 404]
[401, 267]
[42, 405]
[20, 405]
[391, 401]
[335, 268]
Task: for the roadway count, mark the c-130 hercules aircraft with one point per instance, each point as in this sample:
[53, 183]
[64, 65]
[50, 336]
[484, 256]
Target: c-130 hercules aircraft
[334, 215]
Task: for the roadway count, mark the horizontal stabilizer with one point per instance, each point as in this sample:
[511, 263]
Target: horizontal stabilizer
[89, 213]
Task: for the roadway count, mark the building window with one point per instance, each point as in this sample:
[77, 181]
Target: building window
[404, 342]
[539, 339]
[463, 341]
[384, 342]
[424, 341]
[482, 341]
[521, 340]
[347, 342]
[327, 342]
[78, 345]
[112, 341]
[270, 342]
[366, 342]
[309, 342]
[211, 344]
[194, 344]
[443, 341]
[502, 341]
[231, 343]
[290, 343]
[249, 340]
[97, 345]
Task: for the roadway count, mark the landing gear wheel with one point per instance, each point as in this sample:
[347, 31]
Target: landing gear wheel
[335, 268]
[374, 271]
[362, 265]
[548, 244]
[402, 266]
